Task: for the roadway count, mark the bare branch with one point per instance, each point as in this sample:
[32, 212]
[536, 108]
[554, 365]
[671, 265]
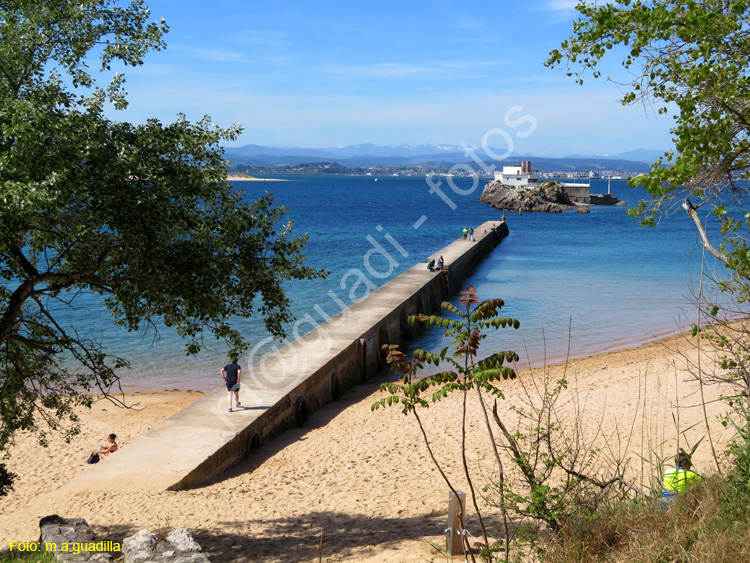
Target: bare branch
[692, 213]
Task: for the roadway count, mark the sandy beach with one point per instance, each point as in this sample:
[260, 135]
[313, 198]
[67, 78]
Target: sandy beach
[361, 479]
[242, 178]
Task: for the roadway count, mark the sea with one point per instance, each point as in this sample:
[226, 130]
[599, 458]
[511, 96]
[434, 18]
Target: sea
[579, 283]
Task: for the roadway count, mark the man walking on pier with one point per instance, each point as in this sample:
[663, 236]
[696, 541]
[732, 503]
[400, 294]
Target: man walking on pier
[232, 373]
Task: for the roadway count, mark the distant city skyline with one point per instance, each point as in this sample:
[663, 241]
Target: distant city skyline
[335, 73]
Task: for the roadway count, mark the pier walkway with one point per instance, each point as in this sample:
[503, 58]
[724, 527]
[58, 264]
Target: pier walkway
[280, 392]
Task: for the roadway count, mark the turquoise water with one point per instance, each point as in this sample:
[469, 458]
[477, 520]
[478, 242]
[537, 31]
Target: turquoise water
[613, 283]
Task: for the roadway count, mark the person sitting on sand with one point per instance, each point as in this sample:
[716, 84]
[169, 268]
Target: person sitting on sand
[104, 451]
[680, 478]
[440, 264]
[431, 265]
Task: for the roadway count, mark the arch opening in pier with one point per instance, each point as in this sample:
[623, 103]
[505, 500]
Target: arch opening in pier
[335, 387]
[383, 341]
[422, 308]
[363, 360]
[301, 412]
[253, 443]
[428, 309]
[403, 325]
[434, 301]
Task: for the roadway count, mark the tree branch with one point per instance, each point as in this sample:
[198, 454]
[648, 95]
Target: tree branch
[32, 344]
[693, 214]
[27, 288]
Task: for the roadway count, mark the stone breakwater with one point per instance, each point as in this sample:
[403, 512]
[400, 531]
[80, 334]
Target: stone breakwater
[548, 197]
[285, 387]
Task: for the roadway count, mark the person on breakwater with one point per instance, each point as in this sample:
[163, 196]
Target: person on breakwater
[471, 234]
[431, 265]
[232, 373]
[440, 264]
[104, 451]
[466, 232]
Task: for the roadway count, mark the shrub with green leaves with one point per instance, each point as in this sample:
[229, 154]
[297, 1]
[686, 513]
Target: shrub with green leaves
[464, 374]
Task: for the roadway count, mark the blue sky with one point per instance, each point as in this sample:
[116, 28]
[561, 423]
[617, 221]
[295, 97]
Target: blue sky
[333, 73]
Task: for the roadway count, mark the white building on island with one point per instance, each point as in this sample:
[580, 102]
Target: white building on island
[522, 176]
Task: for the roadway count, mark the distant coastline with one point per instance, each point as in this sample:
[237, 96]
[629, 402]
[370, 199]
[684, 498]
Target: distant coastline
[244, 178]
[577, 171]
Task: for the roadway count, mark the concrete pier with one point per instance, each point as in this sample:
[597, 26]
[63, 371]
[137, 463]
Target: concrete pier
[280, 392]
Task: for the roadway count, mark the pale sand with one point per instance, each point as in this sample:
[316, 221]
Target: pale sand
[362, 478]
[240, 178]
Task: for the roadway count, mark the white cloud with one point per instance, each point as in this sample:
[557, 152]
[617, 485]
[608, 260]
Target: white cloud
[378, 70]
[461, 17]
[267, 39]
[560, 5]
[405, 70]
[209, 54]
[466, 21]
[557, 11]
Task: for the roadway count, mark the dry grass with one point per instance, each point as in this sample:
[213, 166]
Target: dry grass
[709, 523]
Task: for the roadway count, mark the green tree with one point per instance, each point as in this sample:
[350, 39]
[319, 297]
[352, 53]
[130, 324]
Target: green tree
[140, 215]
[689, 59]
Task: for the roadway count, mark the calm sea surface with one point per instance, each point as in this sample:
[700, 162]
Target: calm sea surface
[597, 278]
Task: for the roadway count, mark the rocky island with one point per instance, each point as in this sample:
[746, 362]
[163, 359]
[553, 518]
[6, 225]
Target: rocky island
[518, 187]
[547, 197]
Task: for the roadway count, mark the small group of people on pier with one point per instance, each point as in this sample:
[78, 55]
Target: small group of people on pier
[432, 267]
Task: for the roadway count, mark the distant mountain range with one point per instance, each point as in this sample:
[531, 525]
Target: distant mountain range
[638, 155]
[350, 151]
[412, 155]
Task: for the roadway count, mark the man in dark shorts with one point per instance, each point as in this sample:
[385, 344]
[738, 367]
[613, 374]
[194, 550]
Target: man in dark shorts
[231, 374]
